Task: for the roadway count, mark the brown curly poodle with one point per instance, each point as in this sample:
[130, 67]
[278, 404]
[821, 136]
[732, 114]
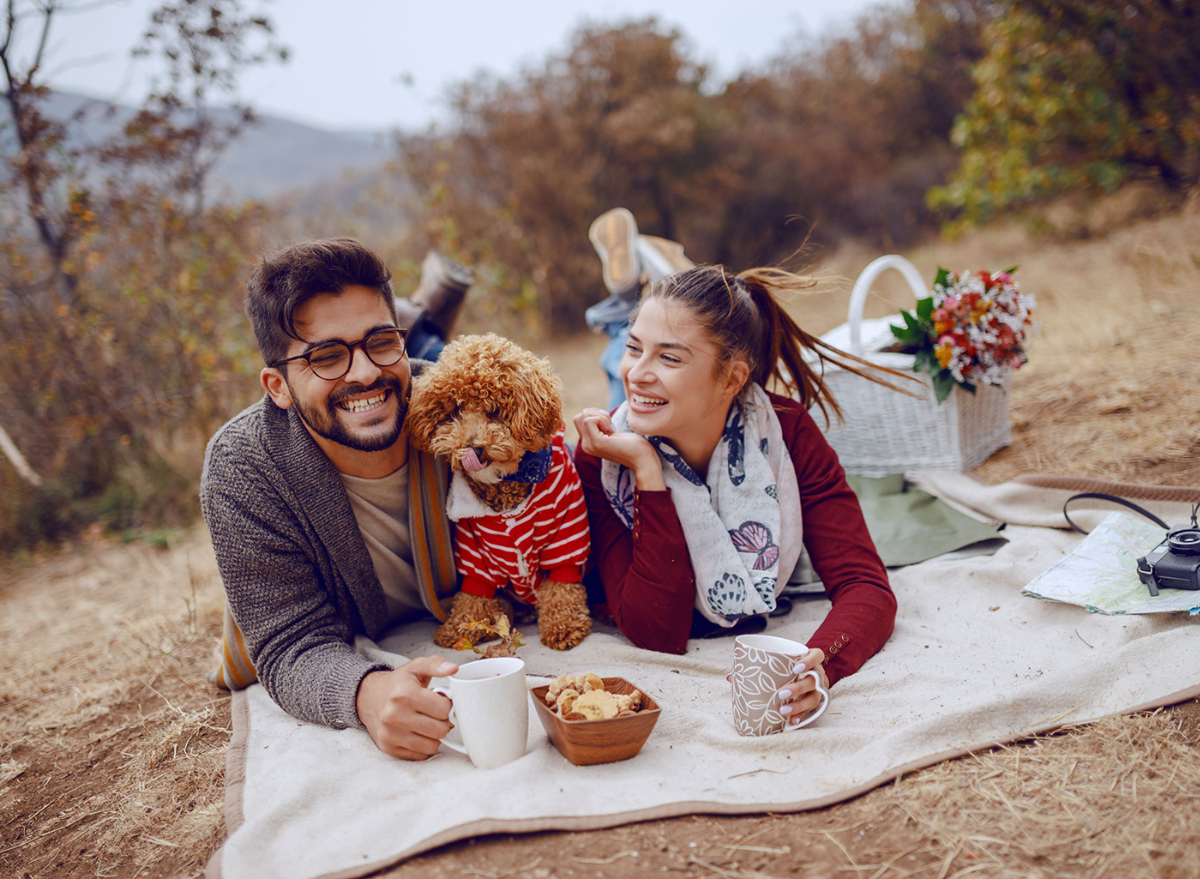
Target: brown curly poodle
[494, 411]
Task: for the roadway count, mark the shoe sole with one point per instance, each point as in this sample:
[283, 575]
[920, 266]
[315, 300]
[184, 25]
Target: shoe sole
[614, 234]
[442, 269]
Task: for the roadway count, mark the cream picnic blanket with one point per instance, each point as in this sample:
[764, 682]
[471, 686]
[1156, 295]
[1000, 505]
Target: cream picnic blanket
[971, 664]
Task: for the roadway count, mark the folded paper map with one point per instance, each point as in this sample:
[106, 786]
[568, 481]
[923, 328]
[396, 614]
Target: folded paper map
[1101, 573]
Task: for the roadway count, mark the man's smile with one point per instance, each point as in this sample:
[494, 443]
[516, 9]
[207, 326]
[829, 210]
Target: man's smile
[367, 419]
[363, 404]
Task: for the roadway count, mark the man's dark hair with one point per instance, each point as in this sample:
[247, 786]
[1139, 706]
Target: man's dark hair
[285, 281]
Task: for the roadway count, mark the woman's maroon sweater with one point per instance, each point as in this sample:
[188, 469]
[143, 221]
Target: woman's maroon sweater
[647, 574]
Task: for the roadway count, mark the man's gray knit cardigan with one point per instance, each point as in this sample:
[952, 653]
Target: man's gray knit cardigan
[298, 578]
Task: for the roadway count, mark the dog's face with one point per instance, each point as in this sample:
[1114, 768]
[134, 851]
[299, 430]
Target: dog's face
[484, 404]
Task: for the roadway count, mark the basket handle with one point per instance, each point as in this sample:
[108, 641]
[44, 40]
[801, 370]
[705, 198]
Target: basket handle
[858, 296]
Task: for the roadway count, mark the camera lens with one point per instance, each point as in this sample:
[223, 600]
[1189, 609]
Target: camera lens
[1185, 541]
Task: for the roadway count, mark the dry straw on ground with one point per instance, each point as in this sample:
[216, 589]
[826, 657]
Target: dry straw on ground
[112, 744]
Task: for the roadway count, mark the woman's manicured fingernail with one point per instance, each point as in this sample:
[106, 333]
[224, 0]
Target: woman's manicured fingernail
[785, 694]
[799, 669]
[786, 709]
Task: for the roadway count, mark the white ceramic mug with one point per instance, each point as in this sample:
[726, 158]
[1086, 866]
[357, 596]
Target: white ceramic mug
[762, 665]
[491, 710]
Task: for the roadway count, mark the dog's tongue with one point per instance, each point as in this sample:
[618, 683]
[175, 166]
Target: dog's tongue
[471, 461]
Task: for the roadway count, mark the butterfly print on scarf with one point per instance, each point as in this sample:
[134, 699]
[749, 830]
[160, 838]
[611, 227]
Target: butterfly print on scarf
[734, 435]
[622, 500]
[673, 458]
[754, 537]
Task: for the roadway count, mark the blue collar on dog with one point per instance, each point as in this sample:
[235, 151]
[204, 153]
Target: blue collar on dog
[534, 467]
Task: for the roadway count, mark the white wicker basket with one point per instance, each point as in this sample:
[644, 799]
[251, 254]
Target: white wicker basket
[887, 432]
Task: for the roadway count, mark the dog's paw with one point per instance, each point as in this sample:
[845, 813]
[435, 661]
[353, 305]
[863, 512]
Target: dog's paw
[465, 610]
[563, 617]
[566, 636]
[447, 634]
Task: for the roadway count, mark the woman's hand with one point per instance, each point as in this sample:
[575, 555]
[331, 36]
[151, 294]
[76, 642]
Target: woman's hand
[597, 437]
[797, 698]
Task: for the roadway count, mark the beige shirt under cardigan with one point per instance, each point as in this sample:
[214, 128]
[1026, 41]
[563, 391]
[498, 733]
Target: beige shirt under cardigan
[381, 508]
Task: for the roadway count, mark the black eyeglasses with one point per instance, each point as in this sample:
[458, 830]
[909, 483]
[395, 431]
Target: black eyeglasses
[332, 360]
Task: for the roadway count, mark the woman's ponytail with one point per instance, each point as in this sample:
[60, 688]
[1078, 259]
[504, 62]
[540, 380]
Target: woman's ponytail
[744, 316]
[784, 344]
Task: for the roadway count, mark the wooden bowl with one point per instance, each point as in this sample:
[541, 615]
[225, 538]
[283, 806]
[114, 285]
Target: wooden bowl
[587, 742]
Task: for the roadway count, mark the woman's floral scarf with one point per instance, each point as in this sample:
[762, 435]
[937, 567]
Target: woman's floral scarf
[742, 525]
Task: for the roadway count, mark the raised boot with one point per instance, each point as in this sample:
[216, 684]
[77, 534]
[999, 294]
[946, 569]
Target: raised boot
[614, 234]
[406, 313]
[441, 291]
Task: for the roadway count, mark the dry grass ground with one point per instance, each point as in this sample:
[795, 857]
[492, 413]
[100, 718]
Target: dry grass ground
[112, 745]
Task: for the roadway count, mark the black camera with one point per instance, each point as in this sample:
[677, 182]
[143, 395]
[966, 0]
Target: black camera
[1174, 563]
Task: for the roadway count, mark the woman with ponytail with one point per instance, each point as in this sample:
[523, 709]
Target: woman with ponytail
[704, 486]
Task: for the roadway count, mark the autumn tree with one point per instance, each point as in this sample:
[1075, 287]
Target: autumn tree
[845, 134]
[116, 281]
[836, 137]
[1077, 95]
[619, 118]
[179, 131]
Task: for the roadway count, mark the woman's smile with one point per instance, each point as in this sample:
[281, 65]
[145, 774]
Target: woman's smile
[645, 403]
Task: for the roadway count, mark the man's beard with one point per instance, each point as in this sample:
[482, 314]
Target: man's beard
[324, 421]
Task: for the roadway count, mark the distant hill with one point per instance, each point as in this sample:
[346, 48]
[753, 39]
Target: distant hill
[276, 156]
[273, 157]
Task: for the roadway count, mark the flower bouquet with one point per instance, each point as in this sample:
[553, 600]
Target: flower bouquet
[973, 329]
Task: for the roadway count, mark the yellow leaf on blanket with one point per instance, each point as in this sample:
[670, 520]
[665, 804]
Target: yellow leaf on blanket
[510, 638]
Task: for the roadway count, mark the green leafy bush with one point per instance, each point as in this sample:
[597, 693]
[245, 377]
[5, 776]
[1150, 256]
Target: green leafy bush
[1077, 95]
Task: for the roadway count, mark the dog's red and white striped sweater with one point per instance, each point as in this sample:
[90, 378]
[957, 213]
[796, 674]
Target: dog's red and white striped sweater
[548, 532]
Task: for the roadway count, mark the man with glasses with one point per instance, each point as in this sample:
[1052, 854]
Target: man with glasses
[326, 523]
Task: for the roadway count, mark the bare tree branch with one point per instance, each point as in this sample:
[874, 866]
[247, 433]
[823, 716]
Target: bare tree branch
[48, 8]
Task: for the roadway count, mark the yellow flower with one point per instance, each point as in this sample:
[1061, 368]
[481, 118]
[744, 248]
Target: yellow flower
[944, 354]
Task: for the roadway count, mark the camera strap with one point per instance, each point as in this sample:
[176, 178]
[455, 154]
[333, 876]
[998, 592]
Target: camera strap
[1099, 495]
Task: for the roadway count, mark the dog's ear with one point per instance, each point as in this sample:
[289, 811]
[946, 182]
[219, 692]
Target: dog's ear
[429, 406]
[538, 410]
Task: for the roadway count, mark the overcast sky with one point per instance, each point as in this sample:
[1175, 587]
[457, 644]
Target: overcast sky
[378, 64]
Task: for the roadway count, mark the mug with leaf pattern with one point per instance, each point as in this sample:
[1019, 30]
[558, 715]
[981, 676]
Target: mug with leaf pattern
[762, 666]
